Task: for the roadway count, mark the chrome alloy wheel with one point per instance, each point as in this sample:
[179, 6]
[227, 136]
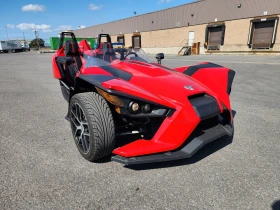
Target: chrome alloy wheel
[80, 128]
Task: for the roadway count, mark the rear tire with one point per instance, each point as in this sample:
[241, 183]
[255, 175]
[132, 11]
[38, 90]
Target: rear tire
[92, 125]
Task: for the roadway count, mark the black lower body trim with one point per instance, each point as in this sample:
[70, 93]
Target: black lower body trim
[65, 90]
[231, 76]
[193, 145]
[96, 79]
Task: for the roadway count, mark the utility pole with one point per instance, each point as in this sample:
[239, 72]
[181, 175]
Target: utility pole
[36, 36]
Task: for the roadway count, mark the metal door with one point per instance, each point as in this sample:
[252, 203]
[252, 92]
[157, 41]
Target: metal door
[191, 38]
[136, 41]
[262, 35]
[215, 37]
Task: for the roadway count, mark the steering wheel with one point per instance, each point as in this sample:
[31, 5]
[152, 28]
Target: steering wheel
[131, 53]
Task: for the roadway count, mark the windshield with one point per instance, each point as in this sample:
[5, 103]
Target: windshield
[102, 57]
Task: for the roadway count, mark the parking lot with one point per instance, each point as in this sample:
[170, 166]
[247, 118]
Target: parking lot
[41, 168]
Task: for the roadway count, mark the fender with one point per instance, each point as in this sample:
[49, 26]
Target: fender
[55, 69]
[219, 75]
[217, 78]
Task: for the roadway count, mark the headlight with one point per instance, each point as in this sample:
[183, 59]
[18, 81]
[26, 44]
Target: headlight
[146, 108]
[133, 108]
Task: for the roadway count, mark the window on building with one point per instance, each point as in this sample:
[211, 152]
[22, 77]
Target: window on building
[136, 41]
[214, 36]
[262, 33]
[121, 39]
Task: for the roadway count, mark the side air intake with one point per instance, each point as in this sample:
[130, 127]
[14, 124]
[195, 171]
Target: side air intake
[205, 106]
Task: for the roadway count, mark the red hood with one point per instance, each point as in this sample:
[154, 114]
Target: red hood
[166, 84]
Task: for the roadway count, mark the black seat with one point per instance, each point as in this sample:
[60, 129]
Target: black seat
[70, 69]
[105, 46]
[109, 54]
[71, 50]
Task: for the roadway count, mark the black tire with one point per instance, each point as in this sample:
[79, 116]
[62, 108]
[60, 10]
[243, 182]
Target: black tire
[101, 128]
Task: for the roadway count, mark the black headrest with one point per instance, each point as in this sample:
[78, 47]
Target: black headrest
[71, 48]
[104, 45]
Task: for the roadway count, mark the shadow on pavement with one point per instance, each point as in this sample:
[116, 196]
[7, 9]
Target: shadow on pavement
[201, 154]
[276, 205]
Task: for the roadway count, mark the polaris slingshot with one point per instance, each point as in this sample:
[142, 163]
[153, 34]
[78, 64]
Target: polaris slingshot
[122, 104]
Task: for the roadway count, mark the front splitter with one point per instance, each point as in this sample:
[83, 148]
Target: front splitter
[192, 146]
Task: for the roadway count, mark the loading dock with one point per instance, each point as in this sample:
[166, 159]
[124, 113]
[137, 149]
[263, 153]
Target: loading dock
[136, 40]
[214, 36]
[262, 33]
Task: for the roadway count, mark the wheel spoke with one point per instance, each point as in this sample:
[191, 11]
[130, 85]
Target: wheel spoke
[77, 112]
[80, 127]
[84, 123]
[77, 124]
[79, 115]
[84, 143]
[74, 115]
[76, 131]
[78, 139]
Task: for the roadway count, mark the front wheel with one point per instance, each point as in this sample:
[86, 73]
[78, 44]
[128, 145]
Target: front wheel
[92, 125]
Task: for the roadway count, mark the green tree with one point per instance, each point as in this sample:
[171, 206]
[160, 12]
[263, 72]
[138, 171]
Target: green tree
[34, 43]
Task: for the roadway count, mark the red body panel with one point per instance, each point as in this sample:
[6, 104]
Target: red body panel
[216, 80]
[165, 84]
[95, 70]
[181, 69]
[56, 72]
[84, 46]
[126, 87]
[172, 133]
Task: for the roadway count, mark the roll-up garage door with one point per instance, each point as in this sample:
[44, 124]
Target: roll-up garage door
[215, 37]
[262, 35]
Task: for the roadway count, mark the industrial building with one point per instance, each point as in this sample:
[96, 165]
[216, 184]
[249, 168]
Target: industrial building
[207, 26]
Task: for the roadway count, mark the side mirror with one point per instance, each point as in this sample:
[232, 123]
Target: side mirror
[159, 57]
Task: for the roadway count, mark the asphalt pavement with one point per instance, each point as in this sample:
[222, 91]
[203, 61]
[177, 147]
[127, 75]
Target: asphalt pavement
[41, 168]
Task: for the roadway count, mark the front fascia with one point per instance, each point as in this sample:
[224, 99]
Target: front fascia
[172, 133]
